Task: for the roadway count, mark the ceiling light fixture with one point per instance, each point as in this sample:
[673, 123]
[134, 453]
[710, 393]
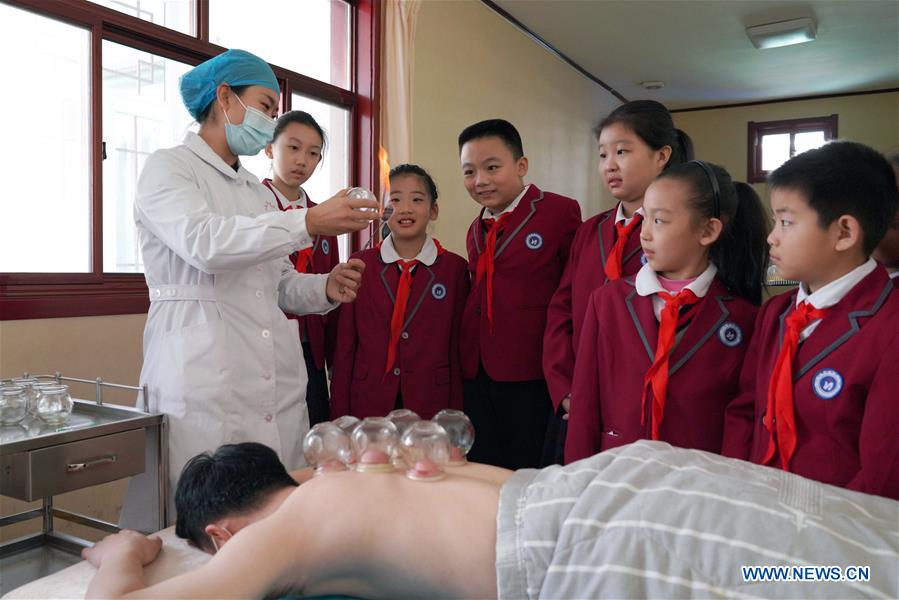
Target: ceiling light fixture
[652, 85]
[782, 33]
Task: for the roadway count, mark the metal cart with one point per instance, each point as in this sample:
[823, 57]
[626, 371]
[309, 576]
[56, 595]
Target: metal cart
[98, 444]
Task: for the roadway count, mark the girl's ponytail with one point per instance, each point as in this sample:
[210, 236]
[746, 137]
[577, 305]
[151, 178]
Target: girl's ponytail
[741, 253]
[683, 148]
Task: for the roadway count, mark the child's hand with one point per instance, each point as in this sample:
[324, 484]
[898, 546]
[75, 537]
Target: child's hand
[344, 280]
[566, 406]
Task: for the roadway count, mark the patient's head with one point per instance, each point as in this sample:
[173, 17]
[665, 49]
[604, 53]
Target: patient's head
[221, 492]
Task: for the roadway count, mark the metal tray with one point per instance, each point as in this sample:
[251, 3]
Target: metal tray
[88, 420]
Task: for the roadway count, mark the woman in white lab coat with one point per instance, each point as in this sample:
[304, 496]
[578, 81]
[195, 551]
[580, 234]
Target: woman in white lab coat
[220, 358]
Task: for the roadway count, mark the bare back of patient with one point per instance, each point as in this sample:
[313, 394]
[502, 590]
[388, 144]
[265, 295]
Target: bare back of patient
[362, 534]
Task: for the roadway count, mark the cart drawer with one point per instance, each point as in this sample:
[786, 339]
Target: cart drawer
[66, 467]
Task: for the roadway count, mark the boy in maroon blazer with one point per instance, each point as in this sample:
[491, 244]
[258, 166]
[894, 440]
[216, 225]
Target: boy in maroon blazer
[517, 249]
[398, 343]
[819, 389]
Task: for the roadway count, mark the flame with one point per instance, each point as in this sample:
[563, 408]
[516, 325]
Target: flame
[384, 167]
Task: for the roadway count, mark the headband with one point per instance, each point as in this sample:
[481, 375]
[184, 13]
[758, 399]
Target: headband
[716, 191]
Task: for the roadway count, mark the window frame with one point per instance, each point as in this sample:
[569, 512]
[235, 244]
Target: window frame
[96, 293]
[758, 129]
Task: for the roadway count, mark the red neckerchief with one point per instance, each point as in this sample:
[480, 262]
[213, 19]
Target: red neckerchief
[397, 319]
[656, 377]
[780, 417]
[485, 260]
[613, 261]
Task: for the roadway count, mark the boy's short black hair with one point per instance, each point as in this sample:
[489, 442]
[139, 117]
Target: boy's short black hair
[236, 478]
[494, 128]
[844, 178]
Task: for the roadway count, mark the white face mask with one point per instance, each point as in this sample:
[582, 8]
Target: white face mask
[215, 544]
[252, 135]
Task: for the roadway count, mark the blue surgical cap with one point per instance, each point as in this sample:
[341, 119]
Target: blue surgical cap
[234, 67]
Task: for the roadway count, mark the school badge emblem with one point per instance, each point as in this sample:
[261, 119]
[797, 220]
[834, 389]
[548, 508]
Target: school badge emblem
[730, 334]
[827, 384]
[534, 241]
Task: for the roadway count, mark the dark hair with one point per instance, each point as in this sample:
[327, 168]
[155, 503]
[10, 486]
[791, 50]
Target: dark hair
[741, 251]
[303, 118]
[204, 114]
[844, 178]
[494, 128]
[236, 478]
[408, 169]
[652, 123]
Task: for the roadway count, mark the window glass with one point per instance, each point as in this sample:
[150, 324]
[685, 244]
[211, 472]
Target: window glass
[775, 150]
[333, 172]
[142, 112]
[808, 140]
[311, 37]
[180, 15]
[45, 197]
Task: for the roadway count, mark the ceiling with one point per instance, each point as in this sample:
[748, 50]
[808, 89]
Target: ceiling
[701, 51]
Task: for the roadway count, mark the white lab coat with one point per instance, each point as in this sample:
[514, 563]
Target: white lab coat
[220, 358]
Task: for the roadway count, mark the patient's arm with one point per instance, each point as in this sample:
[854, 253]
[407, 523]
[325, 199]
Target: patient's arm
[246, 567]
[120, 560]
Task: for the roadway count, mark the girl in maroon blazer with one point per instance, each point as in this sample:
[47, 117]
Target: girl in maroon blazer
[637, 141]
[660, 352]
[296, 150]
[397, 344]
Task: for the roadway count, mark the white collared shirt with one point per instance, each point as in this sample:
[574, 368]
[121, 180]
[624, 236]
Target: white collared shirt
[293, 204]
[619, 214]
[489, 214]
[833, 292]
[647, 283]
[426, 256]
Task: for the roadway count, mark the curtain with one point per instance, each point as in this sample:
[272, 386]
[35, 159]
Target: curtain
[397, 64]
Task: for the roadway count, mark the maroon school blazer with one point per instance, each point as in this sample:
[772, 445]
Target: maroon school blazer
[529, 259]
[845, 390]
[427, 368]
[617, 347]
[584, 273]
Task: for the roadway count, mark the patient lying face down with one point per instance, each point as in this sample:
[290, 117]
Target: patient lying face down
[643, 520]
[362, 534]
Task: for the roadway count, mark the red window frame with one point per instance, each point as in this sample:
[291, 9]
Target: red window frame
[754, 172]
[49, 295]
